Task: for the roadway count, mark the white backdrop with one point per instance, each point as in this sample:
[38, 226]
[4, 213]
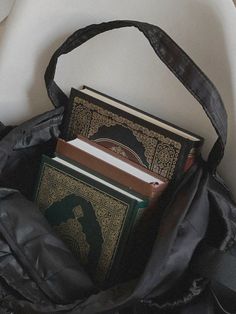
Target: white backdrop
[121, 63]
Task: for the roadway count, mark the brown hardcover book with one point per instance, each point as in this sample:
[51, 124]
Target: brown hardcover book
[111, 166]
[157, 145]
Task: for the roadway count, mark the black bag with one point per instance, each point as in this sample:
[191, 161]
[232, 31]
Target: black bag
[196, 223]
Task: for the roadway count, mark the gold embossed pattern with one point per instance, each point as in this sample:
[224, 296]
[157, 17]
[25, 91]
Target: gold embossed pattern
[110, 213]
[161, 152]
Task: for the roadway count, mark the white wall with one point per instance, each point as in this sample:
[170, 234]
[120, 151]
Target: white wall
[121, 63]
[5, 8]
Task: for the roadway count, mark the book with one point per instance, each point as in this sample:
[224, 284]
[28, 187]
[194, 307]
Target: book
[149, 141]
[94, 217]
[109, 165]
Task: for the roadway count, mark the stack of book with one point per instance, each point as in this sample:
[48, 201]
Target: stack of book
[110, 167]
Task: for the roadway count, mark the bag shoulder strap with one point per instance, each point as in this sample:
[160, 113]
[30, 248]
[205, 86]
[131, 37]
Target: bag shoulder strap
[176, 60]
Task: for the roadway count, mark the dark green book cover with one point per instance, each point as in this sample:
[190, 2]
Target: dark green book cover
[130, 132]
[94, 220]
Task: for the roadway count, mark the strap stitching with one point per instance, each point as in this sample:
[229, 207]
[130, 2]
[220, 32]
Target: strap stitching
[185, 83]
[188, 60]
[197, 97]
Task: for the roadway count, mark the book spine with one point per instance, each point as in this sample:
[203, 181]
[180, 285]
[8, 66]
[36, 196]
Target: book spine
[184, 161]
[191, 159]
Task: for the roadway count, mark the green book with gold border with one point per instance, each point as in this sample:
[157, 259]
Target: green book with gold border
[151, 142]
[93, 217]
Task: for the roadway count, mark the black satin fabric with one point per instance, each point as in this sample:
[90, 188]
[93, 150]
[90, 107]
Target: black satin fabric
[21, 149]
[39, 273]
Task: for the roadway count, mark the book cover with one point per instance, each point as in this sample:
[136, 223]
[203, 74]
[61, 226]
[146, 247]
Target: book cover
[81, 151]
[147, 140]
[94, 219]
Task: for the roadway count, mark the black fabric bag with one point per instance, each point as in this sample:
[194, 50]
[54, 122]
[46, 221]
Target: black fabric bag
[196, 222]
